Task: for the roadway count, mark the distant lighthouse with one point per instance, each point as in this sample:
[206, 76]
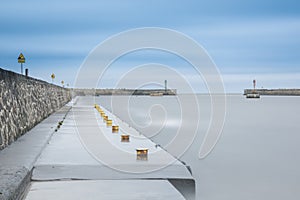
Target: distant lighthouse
[253, 94]
[254, 85]
[166, 85]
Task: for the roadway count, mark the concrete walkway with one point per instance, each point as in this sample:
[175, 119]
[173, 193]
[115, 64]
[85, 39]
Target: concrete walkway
[85, 160]
[18, 159]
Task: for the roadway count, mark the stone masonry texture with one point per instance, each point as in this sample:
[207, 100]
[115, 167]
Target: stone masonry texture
[24, 102]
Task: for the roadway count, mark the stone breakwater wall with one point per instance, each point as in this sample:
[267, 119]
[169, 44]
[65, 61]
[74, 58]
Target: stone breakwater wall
[24, 102]
[275, 92]
[97, 92]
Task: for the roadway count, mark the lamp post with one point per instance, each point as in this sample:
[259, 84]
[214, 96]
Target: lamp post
[52, 77]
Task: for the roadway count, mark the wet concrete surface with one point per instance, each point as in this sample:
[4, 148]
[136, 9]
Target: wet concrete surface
[104, 189]
[18, 159]
[84, 159]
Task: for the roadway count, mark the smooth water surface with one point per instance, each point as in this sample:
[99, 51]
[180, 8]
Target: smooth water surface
[257, 156]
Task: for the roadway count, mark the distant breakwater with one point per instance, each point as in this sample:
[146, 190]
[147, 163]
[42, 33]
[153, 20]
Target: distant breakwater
[97, 92]
[24, 102]
[278, 92]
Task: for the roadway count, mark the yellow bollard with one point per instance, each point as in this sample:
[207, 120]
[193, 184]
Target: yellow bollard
[108, 122]
[142, 154]
[115, 129]
[125, 138]
[105, 117]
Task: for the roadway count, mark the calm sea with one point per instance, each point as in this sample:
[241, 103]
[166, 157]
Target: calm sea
[257, 156]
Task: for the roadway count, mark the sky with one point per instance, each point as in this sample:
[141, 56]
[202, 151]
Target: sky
[250, 39]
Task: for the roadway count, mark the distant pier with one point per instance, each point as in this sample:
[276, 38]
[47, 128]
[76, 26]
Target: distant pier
[144, 92]
[275, 92]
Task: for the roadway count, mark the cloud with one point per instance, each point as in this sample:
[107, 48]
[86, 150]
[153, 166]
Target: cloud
[249, 37]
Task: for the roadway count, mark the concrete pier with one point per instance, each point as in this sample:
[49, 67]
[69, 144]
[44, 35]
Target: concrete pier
[66, 167]
[143, 92]
[274, 92]
[103, 189]
[17, 160]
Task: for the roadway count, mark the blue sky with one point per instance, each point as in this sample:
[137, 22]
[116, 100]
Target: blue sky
[246, 39]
